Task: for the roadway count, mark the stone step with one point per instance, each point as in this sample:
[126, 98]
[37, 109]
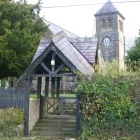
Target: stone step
[60, 116]
[47, 120]
[54, 129]
[53, 134]
[64, 125]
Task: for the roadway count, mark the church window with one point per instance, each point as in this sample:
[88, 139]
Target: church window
[109, 23]
[120, 25]
[103, 23]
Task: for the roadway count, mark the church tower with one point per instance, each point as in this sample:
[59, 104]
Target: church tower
[110, 34]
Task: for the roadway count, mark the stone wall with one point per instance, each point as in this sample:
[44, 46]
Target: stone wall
[33, 112]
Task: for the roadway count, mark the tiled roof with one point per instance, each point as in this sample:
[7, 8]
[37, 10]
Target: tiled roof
[108, 7]
[72, 54]
[87, 47]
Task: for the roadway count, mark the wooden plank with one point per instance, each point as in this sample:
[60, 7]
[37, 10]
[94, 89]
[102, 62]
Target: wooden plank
[26, 107]
[54, 75]
[11, 97]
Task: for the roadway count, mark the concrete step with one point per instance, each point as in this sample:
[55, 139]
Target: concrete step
[47, 120]
[54, 129]
[53, 134]
[60, 116]
[55, 126]
[64, 125]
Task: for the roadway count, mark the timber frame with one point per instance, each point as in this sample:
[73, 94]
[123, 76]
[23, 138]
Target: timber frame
[56, 59]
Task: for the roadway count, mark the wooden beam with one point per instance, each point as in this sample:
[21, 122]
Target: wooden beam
[45, 67]
[53, 59]
[58, 86]
[59, 68]
[53, 75]
[52, 86]
[26, 107]
[39, 81]
[46, 86]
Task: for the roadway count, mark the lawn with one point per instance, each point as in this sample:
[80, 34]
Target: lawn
[61, 95]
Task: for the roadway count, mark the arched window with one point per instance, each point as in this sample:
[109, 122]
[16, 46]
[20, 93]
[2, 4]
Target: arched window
[120, 25]
[103, 23]
[109, 23]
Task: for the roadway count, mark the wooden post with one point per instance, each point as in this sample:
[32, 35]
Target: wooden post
[39, 80]
[58, 86]
[26, 107]
[46, 86]
[52, 86]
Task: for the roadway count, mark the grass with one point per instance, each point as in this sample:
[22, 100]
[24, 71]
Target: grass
[61, 95]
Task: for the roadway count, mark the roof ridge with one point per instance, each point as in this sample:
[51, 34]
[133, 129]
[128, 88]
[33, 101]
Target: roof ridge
[60, 27]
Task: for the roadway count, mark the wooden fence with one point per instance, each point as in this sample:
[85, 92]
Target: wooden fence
[11, 97]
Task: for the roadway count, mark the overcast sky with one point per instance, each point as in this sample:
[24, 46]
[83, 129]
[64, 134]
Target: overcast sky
[80, 19]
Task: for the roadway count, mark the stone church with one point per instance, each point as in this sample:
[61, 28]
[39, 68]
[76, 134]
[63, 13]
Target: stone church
[61, 52]
[108, 42]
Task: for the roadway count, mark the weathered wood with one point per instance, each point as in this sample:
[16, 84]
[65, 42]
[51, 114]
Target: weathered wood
[11, 97]
[54, 75]
[39, 81]
[52, 87]
[26, 107]
[46, 86]
[41, 107]
[59, 68]
[45, 67]
[57, 87]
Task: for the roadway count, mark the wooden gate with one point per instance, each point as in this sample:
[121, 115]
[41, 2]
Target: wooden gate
[60, 106]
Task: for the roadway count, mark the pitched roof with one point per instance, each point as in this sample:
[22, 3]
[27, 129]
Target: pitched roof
[72, 54]
[56, 29]
[87, 47]
[108, 7]
[68, 51]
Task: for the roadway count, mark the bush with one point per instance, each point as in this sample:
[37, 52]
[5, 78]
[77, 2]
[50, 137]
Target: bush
[10, 118]
[108, 108]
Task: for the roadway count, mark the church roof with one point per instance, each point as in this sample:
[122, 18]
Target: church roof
[66, 51]
[108, 7]
[72, 54]
[86, 46]
[56, 29]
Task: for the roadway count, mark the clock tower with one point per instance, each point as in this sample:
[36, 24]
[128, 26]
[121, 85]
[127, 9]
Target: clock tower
[109, 31]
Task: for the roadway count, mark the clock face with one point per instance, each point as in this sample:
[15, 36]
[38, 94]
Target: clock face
[106, 41]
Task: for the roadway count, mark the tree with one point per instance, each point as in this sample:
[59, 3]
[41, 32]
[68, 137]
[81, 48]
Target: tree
[20, 31]
[133, 56]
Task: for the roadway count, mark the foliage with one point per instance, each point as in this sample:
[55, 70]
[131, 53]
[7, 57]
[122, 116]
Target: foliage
[133, 56]
[109, 108]
[10, 118]
[20, 32]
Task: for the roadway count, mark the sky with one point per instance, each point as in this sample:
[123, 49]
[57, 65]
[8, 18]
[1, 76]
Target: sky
[80, 19]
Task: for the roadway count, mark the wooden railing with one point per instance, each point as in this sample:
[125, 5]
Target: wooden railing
[11, 97]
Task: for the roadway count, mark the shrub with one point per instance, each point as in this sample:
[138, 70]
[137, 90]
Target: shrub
[107, 108]
[10, 118]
